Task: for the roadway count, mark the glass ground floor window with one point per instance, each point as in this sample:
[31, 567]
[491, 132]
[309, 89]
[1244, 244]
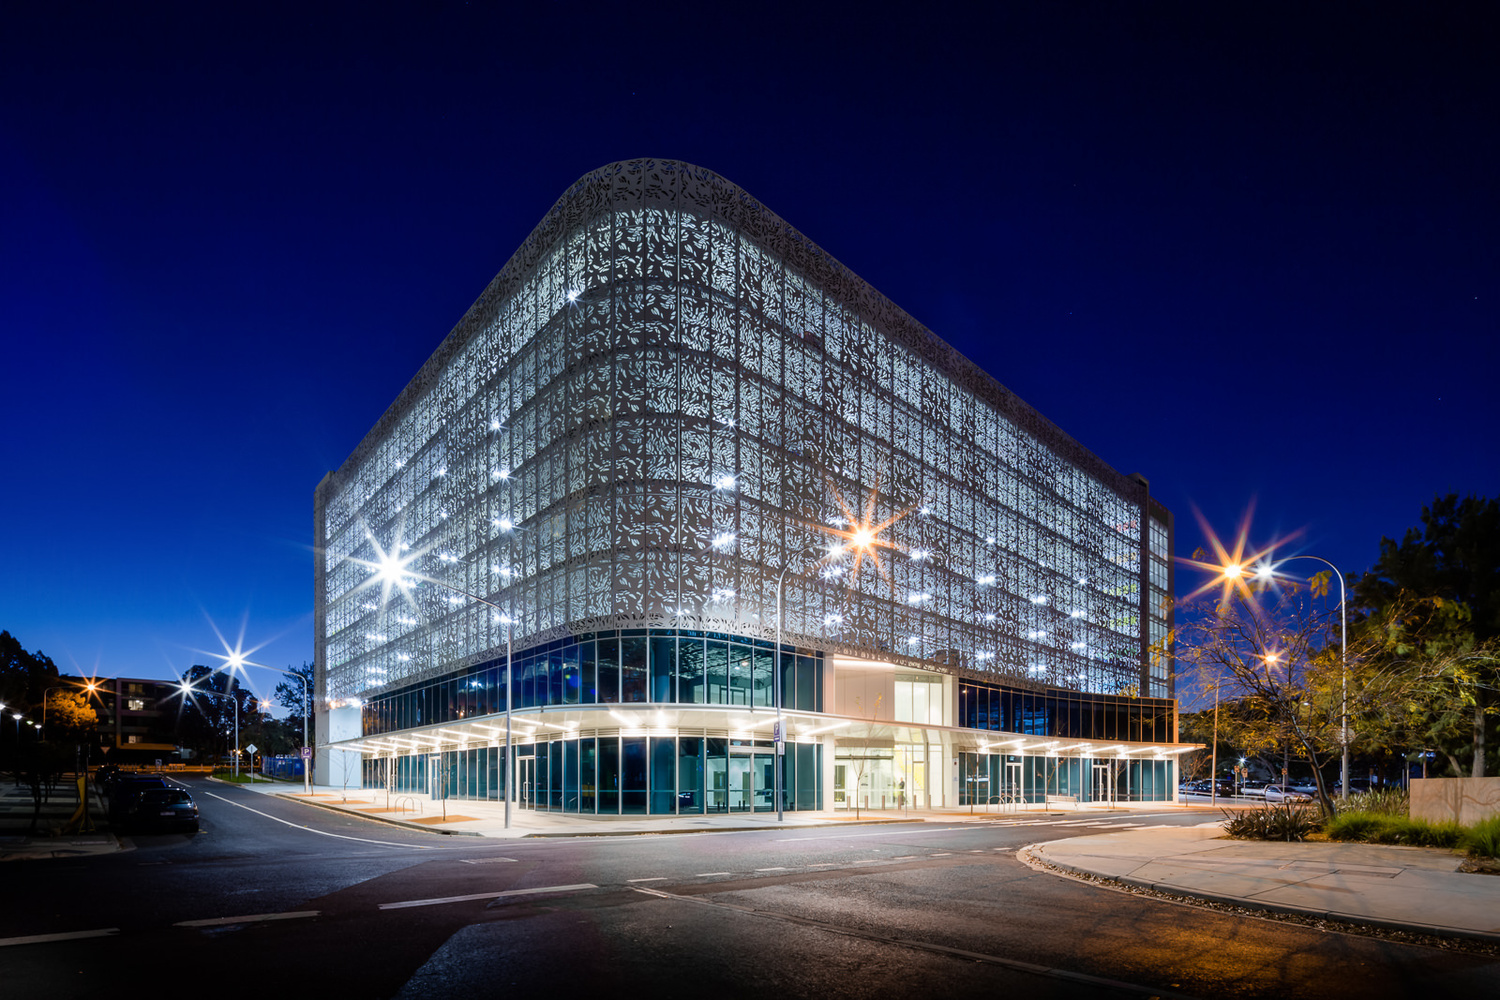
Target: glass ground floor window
[1010, 779]
[621, 775]
[895, 777]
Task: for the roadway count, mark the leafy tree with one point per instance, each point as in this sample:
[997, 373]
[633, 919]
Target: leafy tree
[70, 717]
[1452, 557]
[24, 676]
[290, 695]
[1432, 678]
[1280, 670]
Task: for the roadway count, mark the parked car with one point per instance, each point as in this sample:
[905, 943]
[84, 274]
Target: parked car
[1286, 793]
[163, 809]
[1253, 789]
[123, 789]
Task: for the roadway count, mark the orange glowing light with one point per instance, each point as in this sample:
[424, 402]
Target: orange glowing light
[864, 535]
[1232, 568]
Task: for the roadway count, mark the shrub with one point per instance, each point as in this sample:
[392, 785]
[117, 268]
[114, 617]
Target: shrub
[1280, 822]
[1355, 825]
[1383, 801]
[1483, 838]
[1381, 828]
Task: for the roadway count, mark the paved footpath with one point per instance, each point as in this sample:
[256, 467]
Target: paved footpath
[1404, 888]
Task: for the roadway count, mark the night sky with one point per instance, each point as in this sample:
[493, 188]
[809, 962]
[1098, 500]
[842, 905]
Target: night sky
[1252, 256]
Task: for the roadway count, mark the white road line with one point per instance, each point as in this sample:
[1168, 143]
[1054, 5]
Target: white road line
[249, 918]
[487, 895]
[941, 854]
[709, 874]
[656, 878]
[67, 936]
[321, 833]
[777, 868]
[887, 833]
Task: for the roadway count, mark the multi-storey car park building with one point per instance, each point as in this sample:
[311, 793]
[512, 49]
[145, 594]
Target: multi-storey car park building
[669, 410]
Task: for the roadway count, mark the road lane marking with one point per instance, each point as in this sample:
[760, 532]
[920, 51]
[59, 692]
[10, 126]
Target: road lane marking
[485, 861]
[487, 895]
[778, 868]
[66, 936]
[321, 833]
[655, 878]
[884, 833]
[249, 918]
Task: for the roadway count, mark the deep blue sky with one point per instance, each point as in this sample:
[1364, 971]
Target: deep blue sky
[1252, 255]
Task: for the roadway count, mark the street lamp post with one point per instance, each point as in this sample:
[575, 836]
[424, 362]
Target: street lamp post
[1213, 767]
[237, 660]
[1343, 667]
[1266, 572]
[776, 694]
[390, 570]
[187, 689]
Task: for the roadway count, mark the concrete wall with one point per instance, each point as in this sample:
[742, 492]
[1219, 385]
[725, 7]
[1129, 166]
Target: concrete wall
[1467, 800]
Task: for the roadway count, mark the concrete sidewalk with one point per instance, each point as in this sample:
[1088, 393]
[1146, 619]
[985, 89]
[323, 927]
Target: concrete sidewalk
[487, 819]
[1403, 888]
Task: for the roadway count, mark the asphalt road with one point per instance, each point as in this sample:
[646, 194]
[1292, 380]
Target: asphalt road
[276, 896]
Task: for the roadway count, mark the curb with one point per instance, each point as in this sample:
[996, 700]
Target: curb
[1034, 858]
[389, 821]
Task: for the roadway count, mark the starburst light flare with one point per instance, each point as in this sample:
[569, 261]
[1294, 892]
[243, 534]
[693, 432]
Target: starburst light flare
[1235, 570]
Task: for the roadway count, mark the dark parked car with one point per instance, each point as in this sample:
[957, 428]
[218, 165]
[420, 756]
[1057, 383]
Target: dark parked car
[123, 789]
[163, 809]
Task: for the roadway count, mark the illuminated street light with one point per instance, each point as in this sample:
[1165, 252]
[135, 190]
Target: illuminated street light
[391, 570]
[776, 692]
[1266, 573]
[91, 686]
[236, 660]
[186, 689]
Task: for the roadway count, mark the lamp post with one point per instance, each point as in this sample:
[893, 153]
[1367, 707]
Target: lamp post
[1213, 767]
[237, 660]
[776, 691]
[1266, 573]
[392, 571]
[186, 688]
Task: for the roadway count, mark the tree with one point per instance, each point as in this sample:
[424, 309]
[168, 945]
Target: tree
[1280, 669]
[206, 718]
[24, 676]
[1453, 557]
[290, 696]
[1432, 679]
[70, 717]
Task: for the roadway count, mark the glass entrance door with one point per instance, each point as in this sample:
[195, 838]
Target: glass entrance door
[763, 771]
[526, 781]
[1104, 783]
[1011, 793]
[741, 795]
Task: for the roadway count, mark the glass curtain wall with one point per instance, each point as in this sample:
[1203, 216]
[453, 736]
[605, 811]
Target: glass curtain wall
[1009, 779]
[624, 775]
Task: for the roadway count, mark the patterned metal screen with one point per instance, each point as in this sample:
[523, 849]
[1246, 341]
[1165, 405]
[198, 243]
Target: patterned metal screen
[667, 398]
